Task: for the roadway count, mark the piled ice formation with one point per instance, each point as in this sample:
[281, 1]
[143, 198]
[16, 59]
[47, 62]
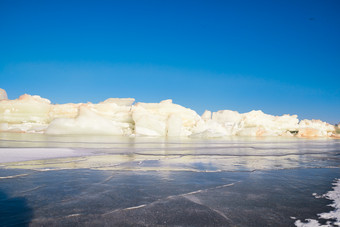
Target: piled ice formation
[117, 116]
[3, 94]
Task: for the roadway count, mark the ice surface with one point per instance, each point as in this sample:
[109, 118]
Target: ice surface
[85, 180]
[333, 216]
[119, 116]
[169, 154]
[28, 154]
[131, 197]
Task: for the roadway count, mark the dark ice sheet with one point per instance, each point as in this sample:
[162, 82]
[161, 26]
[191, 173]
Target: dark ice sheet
[167, 182]
[126, 198]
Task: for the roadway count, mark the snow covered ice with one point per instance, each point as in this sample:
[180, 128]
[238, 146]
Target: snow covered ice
[333, 216]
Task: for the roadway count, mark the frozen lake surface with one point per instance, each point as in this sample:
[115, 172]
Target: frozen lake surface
[119, 181]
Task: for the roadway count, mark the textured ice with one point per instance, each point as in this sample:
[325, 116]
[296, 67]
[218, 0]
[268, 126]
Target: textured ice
[333, 216]
[86, 122]
[119, 116]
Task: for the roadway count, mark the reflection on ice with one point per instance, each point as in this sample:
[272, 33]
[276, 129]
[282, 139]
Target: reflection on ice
[146, 154]
[89, 180]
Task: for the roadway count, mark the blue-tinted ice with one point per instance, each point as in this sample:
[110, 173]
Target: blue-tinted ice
[119, 181]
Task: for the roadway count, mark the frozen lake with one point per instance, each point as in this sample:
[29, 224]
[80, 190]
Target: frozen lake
[119, 181]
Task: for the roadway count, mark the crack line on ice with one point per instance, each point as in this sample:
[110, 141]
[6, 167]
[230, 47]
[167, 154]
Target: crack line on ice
[194, 199]
[171, 197]
[33, 189]
[14, 176]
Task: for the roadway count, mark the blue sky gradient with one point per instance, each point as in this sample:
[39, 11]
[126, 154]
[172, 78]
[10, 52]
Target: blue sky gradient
[277, 56]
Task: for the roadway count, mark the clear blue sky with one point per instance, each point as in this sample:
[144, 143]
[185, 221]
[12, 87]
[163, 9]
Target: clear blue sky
[277, 56]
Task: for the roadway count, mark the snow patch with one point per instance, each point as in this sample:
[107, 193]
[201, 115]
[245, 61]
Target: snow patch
[333, 216]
